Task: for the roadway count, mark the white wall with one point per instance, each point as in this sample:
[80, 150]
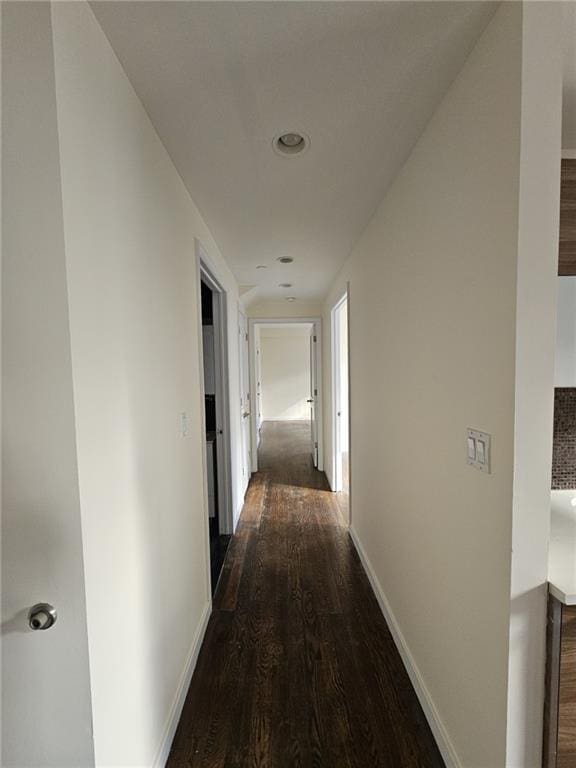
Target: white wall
[569, 96]
[432, 306]
[285, 373]
[283, 308]
[566, 333]
[130, 230]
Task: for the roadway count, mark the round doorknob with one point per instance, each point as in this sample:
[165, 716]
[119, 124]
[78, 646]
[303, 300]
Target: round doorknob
[42, 616]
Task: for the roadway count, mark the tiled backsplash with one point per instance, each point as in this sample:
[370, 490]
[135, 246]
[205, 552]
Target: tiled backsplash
[564, 452]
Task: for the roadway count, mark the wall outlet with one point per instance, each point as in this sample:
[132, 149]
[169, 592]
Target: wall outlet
[478, 450]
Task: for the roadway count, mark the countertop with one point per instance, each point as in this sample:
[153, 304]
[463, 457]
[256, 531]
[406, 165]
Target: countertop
[562, 553]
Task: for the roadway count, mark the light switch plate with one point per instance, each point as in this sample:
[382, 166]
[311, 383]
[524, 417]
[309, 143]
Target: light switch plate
[480, 458]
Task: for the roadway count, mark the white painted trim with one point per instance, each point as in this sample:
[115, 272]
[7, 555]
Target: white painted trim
[223, 422]
[317, 322]
[335, 479]
[569, 154]
[207, 273]
[202, 434]
[567, 598]
[257, 383]
[182, 690]
[350, 437]
[252, 376]
[247, 397]
[439, 731]
[336, 482]
[317, 358]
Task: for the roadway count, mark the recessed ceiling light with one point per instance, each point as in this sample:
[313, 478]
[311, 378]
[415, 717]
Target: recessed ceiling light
[290, 298]
[262, 266]
[291, 140]
[290, 143]
[285, 259]
[284, 285]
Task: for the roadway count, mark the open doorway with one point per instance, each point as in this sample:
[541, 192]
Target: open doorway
[285, 373]
[216, 419]
[340, 406]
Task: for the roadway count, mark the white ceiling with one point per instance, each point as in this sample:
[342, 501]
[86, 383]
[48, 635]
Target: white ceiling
[569, 105]
[221, 79]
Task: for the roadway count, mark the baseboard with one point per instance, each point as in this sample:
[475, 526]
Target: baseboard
[240, 507]
[183, 685]
[432, 716]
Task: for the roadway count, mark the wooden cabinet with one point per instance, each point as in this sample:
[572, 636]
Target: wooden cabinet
[560, 704]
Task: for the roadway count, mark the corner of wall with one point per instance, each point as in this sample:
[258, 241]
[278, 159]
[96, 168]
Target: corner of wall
[182, 690]
[538, 228]
[425, 698]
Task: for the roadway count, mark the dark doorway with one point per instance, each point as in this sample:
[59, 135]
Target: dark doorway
[210, 340]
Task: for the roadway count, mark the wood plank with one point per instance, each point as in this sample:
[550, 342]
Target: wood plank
[552, 682]
[298, 668]
[567, 252]
[567, 694]
[226, 595]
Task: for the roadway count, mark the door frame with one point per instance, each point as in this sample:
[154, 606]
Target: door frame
[257, 382]
[317, 323]
[336, 384]
[247, 400]
[206, 273]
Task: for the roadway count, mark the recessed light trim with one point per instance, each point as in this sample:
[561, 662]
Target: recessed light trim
[291, 140]
[290, 298]
[284, 285]
[261, 266]
[290, 143]
[285, 259]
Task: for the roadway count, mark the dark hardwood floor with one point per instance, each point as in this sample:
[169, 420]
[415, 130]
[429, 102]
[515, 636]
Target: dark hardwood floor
[298, 668]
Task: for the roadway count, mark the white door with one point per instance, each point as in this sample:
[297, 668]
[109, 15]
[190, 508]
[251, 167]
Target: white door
[340, 395]
[221, 396]
[244, 399]
[313, 399]
[258, 384]
[46, 707]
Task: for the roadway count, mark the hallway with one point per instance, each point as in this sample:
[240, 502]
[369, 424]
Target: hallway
[298, 667]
